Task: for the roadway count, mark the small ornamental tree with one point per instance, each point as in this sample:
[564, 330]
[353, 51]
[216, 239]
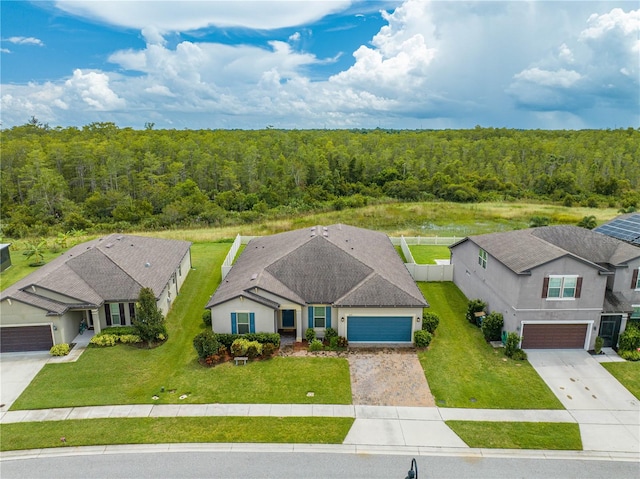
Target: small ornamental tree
[149, 322]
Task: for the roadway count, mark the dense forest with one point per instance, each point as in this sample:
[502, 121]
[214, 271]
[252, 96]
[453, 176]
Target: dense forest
[105, 178]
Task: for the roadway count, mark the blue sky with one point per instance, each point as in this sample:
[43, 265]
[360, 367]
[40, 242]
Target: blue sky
[321, 64]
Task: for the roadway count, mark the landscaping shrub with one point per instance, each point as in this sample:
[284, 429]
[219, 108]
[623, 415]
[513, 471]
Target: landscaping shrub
[630, 355]
[240, 347]
[254, 349]
[263, 338]
[422, 338]
[206, 344]
[129, 338]
[268, 349]
[519, 355]
[598, 344]
[511, 344]
[315, 344]
[117, 330]
[492, 326]
[310, 334]
[206, 317]
[475, 306]
[430, 322]
[103, 340]
[333, 343]
[629, 339]
[330, 333]
[61, 349]
[342, 342]
[226, 339]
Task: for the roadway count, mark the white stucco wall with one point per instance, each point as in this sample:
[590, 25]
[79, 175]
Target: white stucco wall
[265, 318]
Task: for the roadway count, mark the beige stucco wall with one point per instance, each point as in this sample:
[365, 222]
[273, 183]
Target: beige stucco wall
[265, 317]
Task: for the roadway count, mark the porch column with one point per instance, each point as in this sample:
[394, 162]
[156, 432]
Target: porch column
[95, 319]
[298, 324]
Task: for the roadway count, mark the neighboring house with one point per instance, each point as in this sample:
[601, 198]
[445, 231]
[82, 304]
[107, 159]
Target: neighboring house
[5, 256]
[98, 281]
[346, 278]
[625, 228]
[557, 286]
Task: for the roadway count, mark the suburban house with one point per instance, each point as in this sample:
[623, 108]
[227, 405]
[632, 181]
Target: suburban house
[341, 277]
[625, 228]
[557, 286]
[98, 281]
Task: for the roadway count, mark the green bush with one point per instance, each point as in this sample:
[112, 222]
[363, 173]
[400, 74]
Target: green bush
[630, 355]
[206, 317]
[519, 355]
[206, 344]
[598, 344]
[240, 347]
[629, 339]
[330, 333]
[104, 340]
[227, 339]
[492, 326]
[430, 322]
[268, 349]
[263, 338]
[129, 339]
[422, 338]
[61, 349]
[511, 344]
[342, 342]
[117, 330]
[315, 345]
[333, 343]
[254, 349]
[310, 334]
[475, 306]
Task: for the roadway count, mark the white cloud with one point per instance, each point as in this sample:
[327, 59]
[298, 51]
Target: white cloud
[93, 88]
[565, 54]
[560, 78]
[25, 41]
[181, 16]
[5, 50]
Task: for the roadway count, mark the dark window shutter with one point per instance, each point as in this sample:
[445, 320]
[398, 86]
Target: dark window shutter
[107, 312]
[634, 279]
[234, 324]
[122, 318]
[310, 318]
[132, 311]
[578, 286]
[328, 316]
[252, 322]
[545, 287]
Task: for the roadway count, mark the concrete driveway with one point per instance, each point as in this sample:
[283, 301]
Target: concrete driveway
[607, 413]
[17, 370]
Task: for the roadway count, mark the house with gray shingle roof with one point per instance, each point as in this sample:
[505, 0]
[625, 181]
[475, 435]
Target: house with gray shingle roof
[339, 276]
[556, 286]
[98, 282]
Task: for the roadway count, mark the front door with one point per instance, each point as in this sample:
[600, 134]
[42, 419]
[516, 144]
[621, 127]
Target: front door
[288, 319]
[609, 330]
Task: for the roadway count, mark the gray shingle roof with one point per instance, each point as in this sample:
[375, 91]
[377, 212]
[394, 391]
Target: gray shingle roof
[522, 250]
[113, 268]
[341, 265]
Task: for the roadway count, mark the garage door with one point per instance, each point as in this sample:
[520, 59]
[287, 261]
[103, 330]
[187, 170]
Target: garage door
[554, 336]
[379, 329]
[25, 338]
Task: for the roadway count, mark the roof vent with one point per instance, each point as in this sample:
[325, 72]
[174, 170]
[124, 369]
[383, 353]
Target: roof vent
[119, 237]
[109, 245]
[325, 234]
[147, 264]
[313, 228]
[254, 276]
[325, 228]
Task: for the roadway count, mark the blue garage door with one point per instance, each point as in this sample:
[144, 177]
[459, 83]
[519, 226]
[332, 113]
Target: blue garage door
[379, 329]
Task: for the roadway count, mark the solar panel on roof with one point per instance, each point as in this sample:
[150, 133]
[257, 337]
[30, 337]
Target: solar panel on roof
[626, 229]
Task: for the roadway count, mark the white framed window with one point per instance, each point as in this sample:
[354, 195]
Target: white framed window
[562, 287]
[242, 323]
[636, 311]
[482, 258]
[114, 309]
[319, 317]
[636, 279]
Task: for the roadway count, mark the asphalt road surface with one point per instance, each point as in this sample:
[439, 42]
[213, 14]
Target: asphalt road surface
[225, 465]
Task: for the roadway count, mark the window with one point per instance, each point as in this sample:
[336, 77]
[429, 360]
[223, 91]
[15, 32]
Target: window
[114, 309]
[562, 287]
[635, 279]
[132, 311]
[482, 258]
[242, 322]
[319, 317]
[636, 311]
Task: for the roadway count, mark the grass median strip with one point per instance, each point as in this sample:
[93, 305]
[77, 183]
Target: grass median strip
[92, 432]
[518, 435]
[464, 371]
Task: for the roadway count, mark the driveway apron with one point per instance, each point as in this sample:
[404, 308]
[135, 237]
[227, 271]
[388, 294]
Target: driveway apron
[17, 370]
[608, 414]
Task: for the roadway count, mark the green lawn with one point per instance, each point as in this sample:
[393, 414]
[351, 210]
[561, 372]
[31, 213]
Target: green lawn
[464, 371]
[90, 432]
[518, 435]
[20, 267]
[125, 374]
[628, 373]
[428, 254]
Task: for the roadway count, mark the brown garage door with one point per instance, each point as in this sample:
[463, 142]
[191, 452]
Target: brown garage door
[25, 338]
[554, 336]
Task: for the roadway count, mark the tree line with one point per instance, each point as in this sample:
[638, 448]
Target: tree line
[104, 178]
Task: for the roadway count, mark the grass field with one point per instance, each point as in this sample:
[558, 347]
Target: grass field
[518, 435]
[464, 371]
[125, 374]
[423, 254]
[628, 373]
[90, 432]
